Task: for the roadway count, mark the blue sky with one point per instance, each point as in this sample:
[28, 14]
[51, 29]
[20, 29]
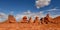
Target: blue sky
[19, 7]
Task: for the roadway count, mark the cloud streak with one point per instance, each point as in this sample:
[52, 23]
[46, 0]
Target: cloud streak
[54, 9]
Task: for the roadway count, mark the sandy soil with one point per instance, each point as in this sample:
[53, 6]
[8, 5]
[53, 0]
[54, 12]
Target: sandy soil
[29, 26]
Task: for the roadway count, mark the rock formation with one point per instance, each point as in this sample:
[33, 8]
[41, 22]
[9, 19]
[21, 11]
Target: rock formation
[30, 20]
[11, 19]
[24, 19]
[47, 19]
[56, 20]
[37, 20]
[42, 20]
[28, 25]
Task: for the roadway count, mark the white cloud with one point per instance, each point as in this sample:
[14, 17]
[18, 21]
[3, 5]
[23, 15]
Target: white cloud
[3, 17]
[42, 3]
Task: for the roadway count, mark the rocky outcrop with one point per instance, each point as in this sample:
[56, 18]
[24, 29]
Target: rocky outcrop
[11, 19]
[24, 19]
[47, 19]
[37, 20]
[30, 20]
[29, 25]
[42, 20]
[56, 19]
